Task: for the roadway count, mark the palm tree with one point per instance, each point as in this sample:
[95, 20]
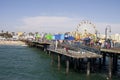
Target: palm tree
[2, 31]
[13, 33]
[7, 35]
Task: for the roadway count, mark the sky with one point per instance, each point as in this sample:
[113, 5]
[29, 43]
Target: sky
[59, 15]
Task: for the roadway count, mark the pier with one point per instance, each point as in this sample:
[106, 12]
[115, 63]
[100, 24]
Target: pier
[73, 57]
[76, 58]
[113, 55]
[70, 57]
[60, 40]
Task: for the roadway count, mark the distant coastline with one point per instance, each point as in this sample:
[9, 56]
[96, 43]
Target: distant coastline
[2, 42]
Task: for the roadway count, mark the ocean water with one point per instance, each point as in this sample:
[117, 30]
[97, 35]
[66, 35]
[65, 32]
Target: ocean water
[25, 63]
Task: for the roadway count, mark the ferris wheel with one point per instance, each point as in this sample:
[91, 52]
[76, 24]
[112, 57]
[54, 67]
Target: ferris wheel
[86, 27]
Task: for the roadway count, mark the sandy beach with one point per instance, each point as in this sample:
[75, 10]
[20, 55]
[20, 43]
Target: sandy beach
[12, 43]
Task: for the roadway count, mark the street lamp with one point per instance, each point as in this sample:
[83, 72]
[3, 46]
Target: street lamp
[107, 29]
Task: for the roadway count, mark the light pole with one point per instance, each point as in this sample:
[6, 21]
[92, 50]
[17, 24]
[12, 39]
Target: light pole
[108, 27]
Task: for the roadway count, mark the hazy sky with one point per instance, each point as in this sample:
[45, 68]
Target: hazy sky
[58, 15]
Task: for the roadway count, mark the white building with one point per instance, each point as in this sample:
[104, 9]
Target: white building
[116, 37]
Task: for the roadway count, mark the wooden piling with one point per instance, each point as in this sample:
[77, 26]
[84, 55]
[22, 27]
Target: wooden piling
[100, 66]
[49, 53]
[67, 66]
[59, 62]
[110, 67]
[104, 59]
[92, 63]
[75, 64]
[115, 61]
[88, 67]
[52, 60]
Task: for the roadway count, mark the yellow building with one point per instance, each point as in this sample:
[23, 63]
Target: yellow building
[20, 33]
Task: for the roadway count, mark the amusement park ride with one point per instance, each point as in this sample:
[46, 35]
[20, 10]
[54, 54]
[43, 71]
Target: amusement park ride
[85, 29]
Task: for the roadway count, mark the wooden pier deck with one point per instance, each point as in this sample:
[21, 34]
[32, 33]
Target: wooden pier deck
[112, 50]
[74, 55]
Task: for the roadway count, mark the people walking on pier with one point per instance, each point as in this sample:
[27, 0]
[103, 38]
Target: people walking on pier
[107, 44]
[86, 41]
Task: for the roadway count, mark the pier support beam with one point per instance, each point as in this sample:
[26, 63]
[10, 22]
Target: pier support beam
[67, 66]
[59, 62]
[45, 47]
[110, 67]
[115, 61]
[49, 53]
[100, 66]
[104, 59]
[75, 64]
[88, 67]
[52, 60]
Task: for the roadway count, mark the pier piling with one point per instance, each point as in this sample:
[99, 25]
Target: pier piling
[104, 59]
[67, 66]
[59, 62]
[52, 59]
[100, 65]
[115, 61]
[88, 67]
[110, 67]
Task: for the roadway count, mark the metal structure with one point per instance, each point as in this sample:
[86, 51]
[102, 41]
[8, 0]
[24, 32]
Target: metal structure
[86, 28]
[107, 32]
